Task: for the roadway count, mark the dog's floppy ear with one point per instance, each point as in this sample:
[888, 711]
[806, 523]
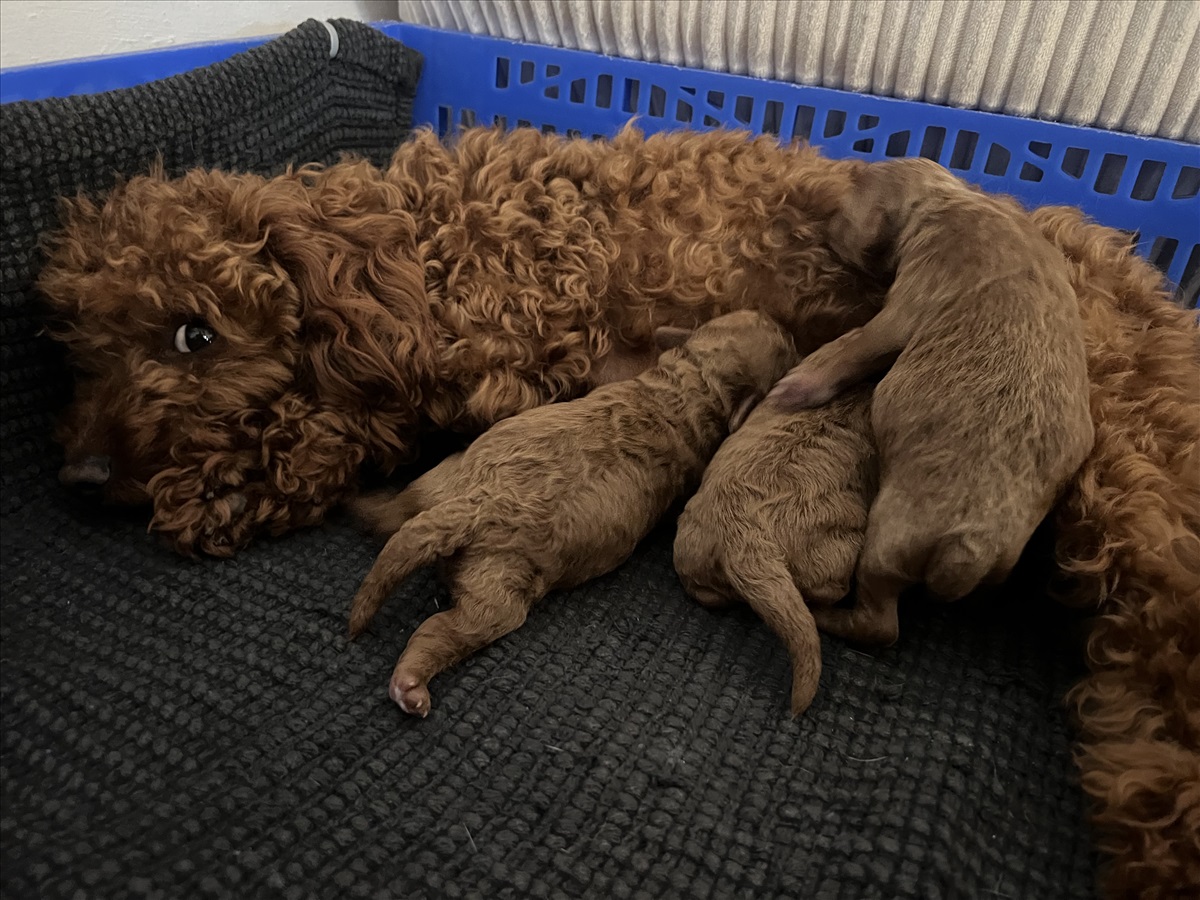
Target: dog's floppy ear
[368, 329]
[668, 337]
[276, 479]
[742, 410]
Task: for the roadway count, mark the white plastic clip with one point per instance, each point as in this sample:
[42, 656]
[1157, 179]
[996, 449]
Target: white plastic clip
[334, 43]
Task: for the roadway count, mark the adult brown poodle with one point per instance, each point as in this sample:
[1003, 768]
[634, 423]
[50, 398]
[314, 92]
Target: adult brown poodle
[1128, 540]
[244, 345]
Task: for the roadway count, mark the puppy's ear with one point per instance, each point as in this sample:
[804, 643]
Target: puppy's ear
[742, 410]
[668, 337]
[863, 226]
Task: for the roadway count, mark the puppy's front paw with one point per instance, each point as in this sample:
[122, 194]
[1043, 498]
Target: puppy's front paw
[410, 694]
[800, 389]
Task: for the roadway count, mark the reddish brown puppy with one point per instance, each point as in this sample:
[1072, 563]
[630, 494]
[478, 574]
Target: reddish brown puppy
[562, 494]
[779, 520]
[983, 419]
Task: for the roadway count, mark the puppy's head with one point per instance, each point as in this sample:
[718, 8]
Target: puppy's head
[742, 353]
[222, 340]
[883, 201]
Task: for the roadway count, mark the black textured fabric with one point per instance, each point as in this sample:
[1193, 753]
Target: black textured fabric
[179, 729]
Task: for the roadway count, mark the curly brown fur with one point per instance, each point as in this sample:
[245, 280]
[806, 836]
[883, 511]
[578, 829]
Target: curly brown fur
[779, 520]
[1129, 540]
[559, 495]
[983, 419]
[356, 309]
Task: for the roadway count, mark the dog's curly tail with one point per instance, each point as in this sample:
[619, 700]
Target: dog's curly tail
[434, 534]
[762, 579]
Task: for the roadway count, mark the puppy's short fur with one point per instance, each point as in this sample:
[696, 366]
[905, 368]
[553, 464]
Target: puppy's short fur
[561, 494]
[984, 417]
[779, 521]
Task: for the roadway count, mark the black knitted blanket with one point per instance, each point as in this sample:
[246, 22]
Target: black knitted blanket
[185, 729]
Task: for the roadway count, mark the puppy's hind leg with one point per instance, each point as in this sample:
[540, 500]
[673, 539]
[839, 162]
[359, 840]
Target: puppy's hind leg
[894, 554]
[700, 566]
[874, 618]
[845, 361]
[493, 597]
[431, 535]
[961, 563]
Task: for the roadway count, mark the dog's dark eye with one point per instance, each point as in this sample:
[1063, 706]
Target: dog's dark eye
[193, 336]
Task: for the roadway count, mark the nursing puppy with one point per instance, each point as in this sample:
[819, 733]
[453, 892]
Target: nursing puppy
[984, 417]
[560, 494]
[779, 520]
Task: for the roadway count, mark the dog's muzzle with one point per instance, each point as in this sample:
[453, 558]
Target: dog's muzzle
[89, 474]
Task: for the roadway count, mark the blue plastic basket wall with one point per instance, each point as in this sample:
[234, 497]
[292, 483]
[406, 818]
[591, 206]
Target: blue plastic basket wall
[1145, 186]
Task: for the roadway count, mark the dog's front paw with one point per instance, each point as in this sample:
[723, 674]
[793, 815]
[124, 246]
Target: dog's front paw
[215, 523]
[224, 526]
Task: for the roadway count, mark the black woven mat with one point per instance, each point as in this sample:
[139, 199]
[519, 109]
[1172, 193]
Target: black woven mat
[176, 729]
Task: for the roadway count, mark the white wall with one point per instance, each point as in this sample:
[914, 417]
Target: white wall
[34, 31]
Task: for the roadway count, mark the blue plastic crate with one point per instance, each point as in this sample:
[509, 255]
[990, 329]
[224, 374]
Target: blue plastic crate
[1145, 186]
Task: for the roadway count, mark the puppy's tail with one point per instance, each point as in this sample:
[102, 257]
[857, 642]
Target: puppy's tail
[383, 513]
[763, 581]
[423, 539]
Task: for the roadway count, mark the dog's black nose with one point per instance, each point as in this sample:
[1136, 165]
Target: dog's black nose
[90, 473]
